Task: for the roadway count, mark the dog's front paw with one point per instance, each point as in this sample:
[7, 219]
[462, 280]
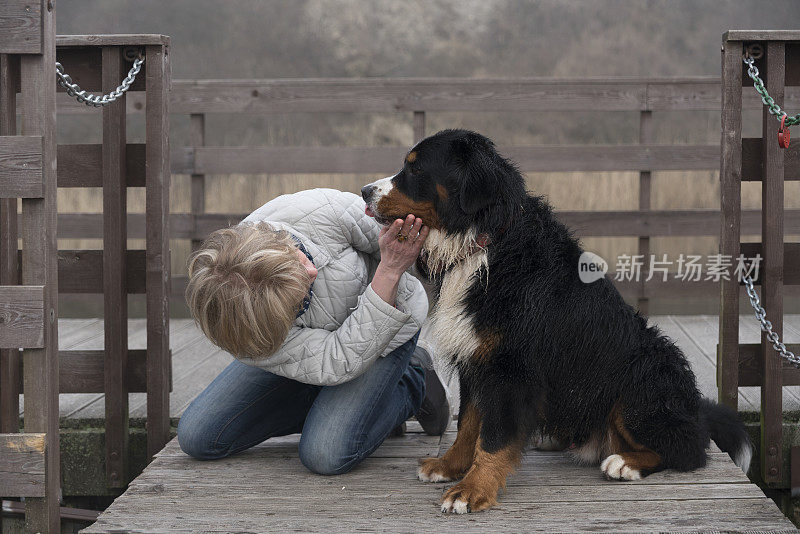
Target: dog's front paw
[615, 467]
[465, 497]
[435, 470]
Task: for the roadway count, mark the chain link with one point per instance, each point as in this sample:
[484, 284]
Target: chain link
[774, 108]
[73, 89]
[766, 326]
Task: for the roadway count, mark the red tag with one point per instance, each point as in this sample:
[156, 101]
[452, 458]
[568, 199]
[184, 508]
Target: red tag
[783, 134]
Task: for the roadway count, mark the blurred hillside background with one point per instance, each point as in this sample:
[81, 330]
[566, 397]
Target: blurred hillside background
[444, 38]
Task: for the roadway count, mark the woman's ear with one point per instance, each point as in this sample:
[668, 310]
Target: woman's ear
[480, 175]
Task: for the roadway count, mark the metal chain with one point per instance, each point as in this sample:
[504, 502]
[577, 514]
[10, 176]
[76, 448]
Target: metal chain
[774, 108]
[766, 326]
[89, 99]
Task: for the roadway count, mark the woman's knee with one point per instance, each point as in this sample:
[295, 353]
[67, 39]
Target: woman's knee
[328, 455]
[197, 441]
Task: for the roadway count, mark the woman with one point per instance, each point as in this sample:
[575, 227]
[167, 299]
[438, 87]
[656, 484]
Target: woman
[312, 298]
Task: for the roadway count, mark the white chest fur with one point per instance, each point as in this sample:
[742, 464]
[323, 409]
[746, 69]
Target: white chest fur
[450, 326]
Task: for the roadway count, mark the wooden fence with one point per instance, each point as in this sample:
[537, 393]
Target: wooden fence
[416, 97]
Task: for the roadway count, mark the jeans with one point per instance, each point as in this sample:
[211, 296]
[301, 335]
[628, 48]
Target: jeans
[340, 425]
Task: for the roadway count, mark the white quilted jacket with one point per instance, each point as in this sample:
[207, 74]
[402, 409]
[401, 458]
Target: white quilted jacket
[347, 325]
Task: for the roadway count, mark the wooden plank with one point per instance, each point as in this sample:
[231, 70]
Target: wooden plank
[22, 464]
[81, 165]
[21, 317]
[119, 39]
[21, 27]
[115, 295]
[81, 271]
[197, 136]
[791, 261]
[9, 358]
[248, 96]
[157, 208]
[419, 126]
[40, 267]
[83, 371]
[761, 35]
[772, 284]
[643, 245]
[405, 94]
[21, 166]
[328, 159]
[730, 221]
[753, 160]
[751, 366]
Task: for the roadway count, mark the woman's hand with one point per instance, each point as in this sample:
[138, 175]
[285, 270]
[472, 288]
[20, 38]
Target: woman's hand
[400, 244]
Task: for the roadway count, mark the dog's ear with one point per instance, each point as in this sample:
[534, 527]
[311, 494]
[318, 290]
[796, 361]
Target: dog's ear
[480, 171]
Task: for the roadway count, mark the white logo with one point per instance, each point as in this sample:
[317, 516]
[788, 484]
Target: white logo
[591, 267]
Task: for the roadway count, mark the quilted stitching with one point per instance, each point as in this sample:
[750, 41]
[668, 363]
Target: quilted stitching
[347, 326]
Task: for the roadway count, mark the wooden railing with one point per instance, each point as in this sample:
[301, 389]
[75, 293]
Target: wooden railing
[420, 96]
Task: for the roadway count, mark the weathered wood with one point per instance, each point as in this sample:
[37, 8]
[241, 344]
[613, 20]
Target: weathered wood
[753, 160]
[392, 95]
[22, 464]
[83, 371]
[157, 230]
[643, 248]
[730, 221]
[119, 39]
[761, 35]
[21, 167]
[81, 271]
[419, 126]
[180, 493]
[115, 296]
[751, 370]
[791, 261]
[21, 317]
[9, 358]
[327, 159]
[772, 279]
[40, 267]
[198, 187]
[21, 26]
[82, 165]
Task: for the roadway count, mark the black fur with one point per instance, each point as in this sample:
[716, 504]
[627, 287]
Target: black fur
[569, 352]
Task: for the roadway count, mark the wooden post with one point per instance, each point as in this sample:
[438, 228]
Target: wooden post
[731, 206]
[40, 267]
[157, 232]
[9, 358]
[419, 126]
[772, 279]
[197, 133]
[115, 296]
[645, 137]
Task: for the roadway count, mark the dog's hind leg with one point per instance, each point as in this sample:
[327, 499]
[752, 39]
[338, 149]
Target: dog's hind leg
[626, 458]
[460, 455]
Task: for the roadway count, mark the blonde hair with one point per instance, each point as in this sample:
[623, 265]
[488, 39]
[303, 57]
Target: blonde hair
[246, 285]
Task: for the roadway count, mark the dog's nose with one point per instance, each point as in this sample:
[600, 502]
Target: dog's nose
[366, 192]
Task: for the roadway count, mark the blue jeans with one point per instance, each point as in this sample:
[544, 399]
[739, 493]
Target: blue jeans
[340, 425]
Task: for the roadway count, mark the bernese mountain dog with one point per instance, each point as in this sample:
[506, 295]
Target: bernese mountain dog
[537, 350]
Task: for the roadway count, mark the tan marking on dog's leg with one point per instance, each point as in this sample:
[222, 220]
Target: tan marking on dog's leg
[459, 456]
[478, 490]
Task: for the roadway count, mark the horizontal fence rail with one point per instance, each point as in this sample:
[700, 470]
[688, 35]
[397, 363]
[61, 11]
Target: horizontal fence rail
[386, 95]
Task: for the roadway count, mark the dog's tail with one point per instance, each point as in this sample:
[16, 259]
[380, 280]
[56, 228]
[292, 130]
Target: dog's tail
[728, 432]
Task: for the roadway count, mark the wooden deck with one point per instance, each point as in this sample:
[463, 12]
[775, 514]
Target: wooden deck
[266, 489]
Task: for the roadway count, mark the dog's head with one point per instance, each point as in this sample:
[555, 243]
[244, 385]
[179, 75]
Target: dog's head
[455, 181]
